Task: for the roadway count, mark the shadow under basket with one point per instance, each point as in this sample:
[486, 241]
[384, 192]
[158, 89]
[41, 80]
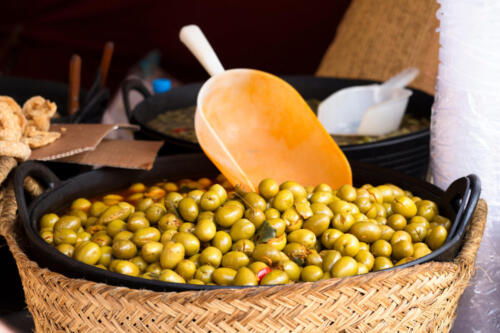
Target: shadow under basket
[421, 298]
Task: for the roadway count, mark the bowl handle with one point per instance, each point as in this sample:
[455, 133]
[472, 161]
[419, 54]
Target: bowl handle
[127, 87]
[41, 173]
[462, 196]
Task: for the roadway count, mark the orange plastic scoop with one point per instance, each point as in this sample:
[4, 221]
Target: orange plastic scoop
[254, 125]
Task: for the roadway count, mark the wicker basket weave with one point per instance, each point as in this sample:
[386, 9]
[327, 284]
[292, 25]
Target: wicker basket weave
[419, 298]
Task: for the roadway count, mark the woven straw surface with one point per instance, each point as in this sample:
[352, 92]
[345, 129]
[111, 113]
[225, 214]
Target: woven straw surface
[378, 38]
[420, 298]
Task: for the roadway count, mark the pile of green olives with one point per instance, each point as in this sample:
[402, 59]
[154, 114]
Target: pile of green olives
[206, 232]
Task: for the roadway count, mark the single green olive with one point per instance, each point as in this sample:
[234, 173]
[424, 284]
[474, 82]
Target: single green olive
[168, 275]
[399, 236]
[143, 204]
[381, 263]
[204, 273]
[235, 260]
[256, 216]
[283, 200]
[302, 236]
[375, 195]
[364, 246]
[320, 208]
[136, 222]
[235, 202]
[341, 207]
[381, 248]
[68, 222]
[154, 268]
[226, 216]
[172, 199]
[196, 195]
[329, 237]
[188, 209]
[293, 219]
[169, 222]
[404, 206]
[298, 191]
[313, 258]
[120, 211]
[366, 231]
[417, 231]
[362, 269]
[242, 229]
[186, 268]
[420, 220]
[146, 235]
[397, 222]
[101, 239]
[210, 201]
[279, 226]
[172, 254]
[343, 221]
[376, 210]
[317, 223]
[63, 236]
[244, 245]
[311, 273]
[187, 227]
[402, 249]
[275, 277]
[366, 258]
[222, 240]
[272, 213]
[245, 277]
[88, 253]
[66, 249]
[221, 191]
[436, 237]
[48, 221]
[211, 256]
[189, 241]
[364, 204]
[254, 200]
[304, 209]
[290, 268]
[83, 236]
[155, 212]
[267, 254]
[115, 226]
[427, 209]
[347, 192]
[167, 235]
[321, 197]
[97, 208]
[387, 232]
[257, 266]
[125, 267]
[123, 235]
[441, 220]
[296, 251]
[82, 204]
[224, 276]
[205, 230]
[151, 251]
[268, 188]
[124, 249]
[140, 263]
[195, 259]
[195, 281]
[106, 256]
[347, 245]
[345, 266]
[330, 257]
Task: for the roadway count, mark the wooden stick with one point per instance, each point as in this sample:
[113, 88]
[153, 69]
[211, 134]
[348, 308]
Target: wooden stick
[75, 67]
[106, 61]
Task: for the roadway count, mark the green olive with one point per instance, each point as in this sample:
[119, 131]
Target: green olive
[417, 231]
[188, 209]
[329, 237]
[140, 263]
[83, 236]
[82, 204]
[126, 267]
[341, 207]
[268, 188]
[381, 248]
[321, 197]
[211, 256]
[123, 235]
[330, 257]
[387, 232]
[283, 200]
[242, 229]
[376, 210]
[206, 215]
[420, 220]
[436, 237]
[364, 204]
[68, 222]
[400, 235]
[172, 199]
[272, 213]
[48, 221]
[168, 275]
[66, 249]
[187, 227]
[204, 273]
[205, 230]
[220, 191]
[120, 211]
[317, 223]
[366, 231]
[267, 253]
[137, 222]
[88, 252]
[296, 251]
[195, 281]
[257, 266]
[155, 212]
[303, 236]
[169, 222]
[172, 254]
[420, 250]
[101, 239]
[235, 260]
[146, 235]
[189, 241]
[441, 220]
[397, 191]
[154, 268]
[224, 276]
[226, 216]
[404, 206]
[144, 204]
[402, 249]
[106, 256]
[124, 249]
[375, 195]
[345, 266]
[63, 236]
[381, 263]
[275, 277]
[235, 202]
[364, 246]
[347, 192]
[244, 245]
[298, 191]
[279, 226]
[311, 273]
[347, 245]
[397, 222]
[115, 226]
[196, 259]
[427, 209]
[186, 268]
[304, 209]
[222, 241]
[167, 235]
[196, 195]
[320, 208]
[97, 208]
[245, 277]
[387, 193]
[210, 201]
[293, 219]
[256, 216]
[343, 221]
[253, 200]
[366, 258]
[151, 251]
[313, 258]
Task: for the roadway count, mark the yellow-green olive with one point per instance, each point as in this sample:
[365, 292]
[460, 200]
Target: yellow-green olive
[366, 231]
[362, 269]
[304, 209]
[189, 241]
[397, 222]
[186, 268]
[399, 236]
[224, 276]
[381, 263]
[242, 229]
[402, 249]
[329, 237]
[84, 236]
[140, 263]
[68, 222]
[311, 273]
[146, 235]
[210, 201]
[317, 223]
[222, 240]
[320, 208]
[347, 245]
[375, 195]
[188, 209]
[436, 237]
[88, 252]
[172, 199]
[187, 227]
[167, 235]
[275, 277]
[254, 200]
[404, 206]
[296, 251]
[441, 220]
[283, 200]
[235, 260]
[343, 221]
[376, 210]
[168, 275]
[293, 219]
[211, 256]
[417, 231]
[303, 236]
[106, 256]
[66, 249]
[267, 254]
[169, 222]
[120, 211]
[220, 191]
[66, 236]
[268, 188]
[226, 216]
[313, 258]
[123, 235]
[298, 191]
[137, 222]
[256, 216]
[272, 213]
[97, 208]
[101, 239]
[115, 226]
[82, 204]
[420, 220]
[155, 212]
[321, 197]
[347, 192]
[245, 277]
[427, 209]
[387, 232]
[126, 267]
[151, 251]
[204, 273]
[257, 266]
[366, 258]
[244, 245]
[330, 257]
[154, 268]
[195, 281]
[48, 221]
[345, 266]
[172, 254]
[381, 248]
[124, 249]
[143, 204]
[279, 226]
[364, 204]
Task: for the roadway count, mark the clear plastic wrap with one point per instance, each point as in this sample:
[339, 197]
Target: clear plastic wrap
[465, 137]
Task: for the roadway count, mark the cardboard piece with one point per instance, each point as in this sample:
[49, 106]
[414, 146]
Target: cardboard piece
[130, 154]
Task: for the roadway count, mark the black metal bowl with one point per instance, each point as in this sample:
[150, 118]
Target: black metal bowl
[457, 203]
[407, 153]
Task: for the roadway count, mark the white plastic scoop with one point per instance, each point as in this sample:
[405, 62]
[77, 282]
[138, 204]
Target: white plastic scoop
[367, 110]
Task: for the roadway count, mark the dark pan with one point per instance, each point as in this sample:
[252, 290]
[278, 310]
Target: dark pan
[457, 203]
[389, 152]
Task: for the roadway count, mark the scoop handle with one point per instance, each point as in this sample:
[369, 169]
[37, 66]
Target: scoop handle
[197, 43]
[401, 79]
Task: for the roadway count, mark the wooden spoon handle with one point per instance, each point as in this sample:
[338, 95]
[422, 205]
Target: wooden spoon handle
[106, 61]
[197, 43]
[75, 67]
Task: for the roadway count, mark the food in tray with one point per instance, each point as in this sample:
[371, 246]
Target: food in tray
[206, 232]
[179, 124]
[26, 128]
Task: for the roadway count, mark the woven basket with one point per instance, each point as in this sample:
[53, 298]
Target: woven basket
[420, 298]
[378, 38]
